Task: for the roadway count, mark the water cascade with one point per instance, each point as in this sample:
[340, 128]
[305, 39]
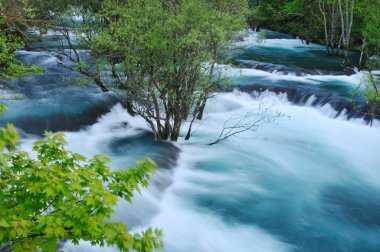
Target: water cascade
[308, 182]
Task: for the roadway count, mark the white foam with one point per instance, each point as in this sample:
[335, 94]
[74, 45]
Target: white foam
[188, 229]
[352, 80]
[252, 39]
[294, 151]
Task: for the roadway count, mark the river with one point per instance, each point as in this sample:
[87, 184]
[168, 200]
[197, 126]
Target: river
[308, 182]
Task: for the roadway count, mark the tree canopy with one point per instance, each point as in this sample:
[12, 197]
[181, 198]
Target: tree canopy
[161, 53]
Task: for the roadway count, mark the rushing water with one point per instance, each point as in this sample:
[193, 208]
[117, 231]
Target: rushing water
[308, 182]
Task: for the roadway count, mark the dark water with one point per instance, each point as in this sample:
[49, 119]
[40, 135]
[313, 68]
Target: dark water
[54, 101]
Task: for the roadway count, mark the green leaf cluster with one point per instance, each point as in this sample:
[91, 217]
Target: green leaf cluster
[60, 195]
[371, 29]
[372, 93]
[369, 89]
[10, 66]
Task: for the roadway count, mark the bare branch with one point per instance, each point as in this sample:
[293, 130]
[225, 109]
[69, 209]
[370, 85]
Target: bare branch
[247, 122]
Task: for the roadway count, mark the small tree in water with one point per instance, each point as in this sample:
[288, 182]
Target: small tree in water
[372, 94]
[162, 53]
[369, 89]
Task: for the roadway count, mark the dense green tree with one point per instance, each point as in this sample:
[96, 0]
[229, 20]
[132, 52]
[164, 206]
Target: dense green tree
[339, 24]
[12, 24]
[162, 53]
[296, 17]
[370, 34]
[10, 66]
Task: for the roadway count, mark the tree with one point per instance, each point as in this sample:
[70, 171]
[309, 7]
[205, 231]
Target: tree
[61, 195]
[369, 86]
[347, 18]
[77, 38]
[331, 25]
[297, 17]
[10, 66]
[13, 16]
[340, 27]
[12, 25]
[369, 89]
[370, 32]
[160, 55]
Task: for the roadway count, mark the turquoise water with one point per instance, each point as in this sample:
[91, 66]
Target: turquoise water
[308, 182]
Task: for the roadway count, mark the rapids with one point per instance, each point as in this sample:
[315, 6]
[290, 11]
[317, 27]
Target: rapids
[310, 181]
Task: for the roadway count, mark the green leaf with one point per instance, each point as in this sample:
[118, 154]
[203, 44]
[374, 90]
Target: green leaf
[4, 223]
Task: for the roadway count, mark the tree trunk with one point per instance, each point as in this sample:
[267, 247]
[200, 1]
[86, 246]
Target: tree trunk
[346, 60]
[188, 135]
[362, 61]
[347, 16]
[130, 109]
[175, 132]
[201, 110]
[99, 82]
[164, 131]
[322, 8]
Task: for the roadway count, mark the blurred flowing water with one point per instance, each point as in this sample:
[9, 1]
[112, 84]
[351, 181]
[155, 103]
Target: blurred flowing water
[309, 182]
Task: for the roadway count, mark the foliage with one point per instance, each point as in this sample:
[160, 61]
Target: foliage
[157, 52]
[372, 96]
[369, 89]
[10, 66]
[370, 32]
[12, 22]
[61, 195]
[58, 195]
[321, 21]
[290, 16]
